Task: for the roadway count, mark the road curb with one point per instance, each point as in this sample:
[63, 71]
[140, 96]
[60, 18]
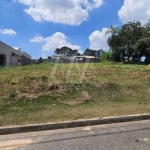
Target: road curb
[72, 124]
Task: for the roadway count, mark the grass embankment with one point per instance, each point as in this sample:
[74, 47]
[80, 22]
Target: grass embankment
[29, 94]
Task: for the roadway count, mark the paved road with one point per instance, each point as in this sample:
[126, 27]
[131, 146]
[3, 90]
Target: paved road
[122, 136]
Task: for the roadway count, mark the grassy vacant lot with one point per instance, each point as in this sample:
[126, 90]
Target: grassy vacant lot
[30, 94]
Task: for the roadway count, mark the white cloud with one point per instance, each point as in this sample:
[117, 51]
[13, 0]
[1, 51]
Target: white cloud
[135, 10]
[98, 40]
[57, 40]
[97, 3]
[80, 51]
[37, 39]
[8, 31]
[44, 56]
[72, 12]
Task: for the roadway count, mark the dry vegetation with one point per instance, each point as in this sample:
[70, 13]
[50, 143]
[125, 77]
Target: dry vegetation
[30, 94]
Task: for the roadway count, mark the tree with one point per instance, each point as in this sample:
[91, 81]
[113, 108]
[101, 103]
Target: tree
[99, 53]
[78, 54]
[143, 45]
[112, 42]
[94, 53]
[132, 41]
[130, 33]
[106, 56]
[49, 57]
[113, 30]
[66, 51]
[143, 42]
[146, 29]
[57, 51]
[74, 52]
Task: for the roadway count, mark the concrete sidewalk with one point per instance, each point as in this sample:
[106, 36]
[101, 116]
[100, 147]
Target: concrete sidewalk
[72, 124]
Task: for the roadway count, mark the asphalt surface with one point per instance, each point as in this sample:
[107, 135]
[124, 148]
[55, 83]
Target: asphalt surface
[119, 136]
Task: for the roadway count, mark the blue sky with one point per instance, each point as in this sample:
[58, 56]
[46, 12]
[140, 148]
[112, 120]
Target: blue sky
[41, 26]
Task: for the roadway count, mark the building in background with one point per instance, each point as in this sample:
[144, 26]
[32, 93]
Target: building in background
[13, 56]
[73, 58]
[59, 56]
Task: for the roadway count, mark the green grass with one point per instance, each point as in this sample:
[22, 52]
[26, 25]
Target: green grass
[29, 94]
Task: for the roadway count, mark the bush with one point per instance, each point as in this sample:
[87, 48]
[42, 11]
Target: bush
[107, 56]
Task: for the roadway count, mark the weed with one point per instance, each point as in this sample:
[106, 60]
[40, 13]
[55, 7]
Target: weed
[29, 92]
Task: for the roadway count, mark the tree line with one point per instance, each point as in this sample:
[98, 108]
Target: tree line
[88, 52]
[130, 42]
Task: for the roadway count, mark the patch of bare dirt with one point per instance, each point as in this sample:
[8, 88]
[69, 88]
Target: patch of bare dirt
[32, 88]
[37, 92]
[101, 84]
[84, 97]
[148, 67]
[26, 95]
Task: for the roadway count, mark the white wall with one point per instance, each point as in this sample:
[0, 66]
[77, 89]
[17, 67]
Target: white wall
[70, 57]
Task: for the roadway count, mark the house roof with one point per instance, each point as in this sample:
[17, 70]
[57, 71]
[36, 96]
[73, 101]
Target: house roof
[89, 57]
